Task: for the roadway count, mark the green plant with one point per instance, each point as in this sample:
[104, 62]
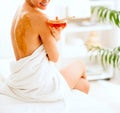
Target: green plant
[108, 57]
[105, 14]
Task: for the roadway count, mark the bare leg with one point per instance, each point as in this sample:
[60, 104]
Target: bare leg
[82, 85]
[75, 75]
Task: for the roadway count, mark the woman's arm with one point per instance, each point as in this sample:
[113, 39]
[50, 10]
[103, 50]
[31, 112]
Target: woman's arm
[56, 32]
[49, 39]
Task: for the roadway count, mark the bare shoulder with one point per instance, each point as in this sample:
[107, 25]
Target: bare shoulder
[36, 19]
[39, 24]
[25, 21]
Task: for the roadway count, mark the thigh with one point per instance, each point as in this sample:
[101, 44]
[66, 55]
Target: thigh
[73, 72]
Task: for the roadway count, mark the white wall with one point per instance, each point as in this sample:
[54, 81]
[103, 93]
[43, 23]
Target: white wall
[118, 29]
[7, 10]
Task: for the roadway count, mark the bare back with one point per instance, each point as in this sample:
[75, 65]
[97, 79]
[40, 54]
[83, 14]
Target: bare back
[25, 36]
[30, 30]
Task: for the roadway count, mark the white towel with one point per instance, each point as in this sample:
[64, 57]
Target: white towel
[36, 79]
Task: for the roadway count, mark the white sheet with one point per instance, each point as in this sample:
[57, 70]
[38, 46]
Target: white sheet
[78, 103]
[53, 97]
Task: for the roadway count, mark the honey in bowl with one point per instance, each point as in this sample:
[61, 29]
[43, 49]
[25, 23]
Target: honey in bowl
[57, 23]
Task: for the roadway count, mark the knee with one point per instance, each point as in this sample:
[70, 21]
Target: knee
[83, 85]
[87, 87]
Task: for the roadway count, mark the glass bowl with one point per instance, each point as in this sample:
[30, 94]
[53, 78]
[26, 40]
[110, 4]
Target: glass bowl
[57, 23]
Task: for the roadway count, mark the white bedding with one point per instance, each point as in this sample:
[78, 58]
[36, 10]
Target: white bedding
[78, 103]
[72, 102]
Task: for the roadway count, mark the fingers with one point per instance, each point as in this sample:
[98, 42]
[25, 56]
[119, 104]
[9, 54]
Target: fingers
[56, 28]
[56, 31]
[53, 31]
[59, 28]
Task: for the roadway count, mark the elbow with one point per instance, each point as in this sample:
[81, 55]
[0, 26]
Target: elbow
[54, 58]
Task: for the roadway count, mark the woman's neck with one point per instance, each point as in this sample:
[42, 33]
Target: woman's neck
[29, 3]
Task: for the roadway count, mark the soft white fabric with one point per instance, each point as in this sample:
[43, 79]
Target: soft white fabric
[37, 86]
[35, 79]
[78, 102]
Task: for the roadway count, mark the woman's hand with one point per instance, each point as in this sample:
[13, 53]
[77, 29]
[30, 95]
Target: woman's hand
[56, 32]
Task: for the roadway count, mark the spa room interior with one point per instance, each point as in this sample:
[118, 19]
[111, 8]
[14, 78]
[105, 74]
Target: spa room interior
[83, 31]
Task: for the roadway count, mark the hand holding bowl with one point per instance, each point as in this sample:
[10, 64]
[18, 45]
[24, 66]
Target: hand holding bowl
[57, 23]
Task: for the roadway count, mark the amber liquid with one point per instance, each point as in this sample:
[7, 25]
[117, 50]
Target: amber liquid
[57, 24]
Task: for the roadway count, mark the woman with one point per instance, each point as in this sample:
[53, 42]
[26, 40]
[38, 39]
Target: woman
[31, 34]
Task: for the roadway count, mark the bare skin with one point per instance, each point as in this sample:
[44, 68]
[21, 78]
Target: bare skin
[30, 30]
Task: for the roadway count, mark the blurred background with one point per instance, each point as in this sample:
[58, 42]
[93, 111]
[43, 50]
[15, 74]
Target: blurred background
[81, 10]
[7, 11]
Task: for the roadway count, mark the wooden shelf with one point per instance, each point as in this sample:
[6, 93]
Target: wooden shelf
[102, 2]
[86, 28]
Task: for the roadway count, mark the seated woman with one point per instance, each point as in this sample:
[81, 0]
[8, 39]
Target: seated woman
[36, 52]
[34, 76]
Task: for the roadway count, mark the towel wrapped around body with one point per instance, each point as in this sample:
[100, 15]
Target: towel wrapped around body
[36, 79]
